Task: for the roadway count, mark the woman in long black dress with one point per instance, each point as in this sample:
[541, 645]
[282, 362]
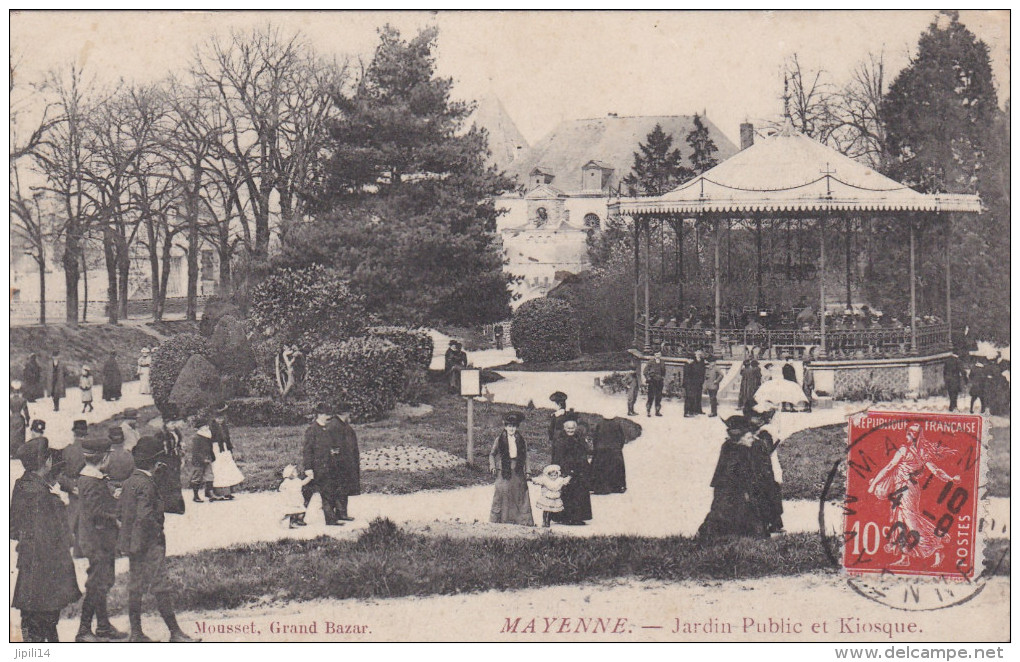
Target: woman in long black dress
[112, 379]
[608, 471]
[570, 452]
[735, 508]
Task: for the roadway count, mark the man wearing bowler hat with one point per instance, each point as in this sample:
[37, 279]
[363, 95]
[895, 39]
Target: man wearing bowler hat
[331, 459]
[97, 534]
[73, 461]
[143, 541]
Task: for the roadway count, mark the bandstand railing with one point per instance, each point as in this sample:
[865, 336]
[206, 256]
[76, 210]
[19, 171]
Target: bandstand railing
[838, 343]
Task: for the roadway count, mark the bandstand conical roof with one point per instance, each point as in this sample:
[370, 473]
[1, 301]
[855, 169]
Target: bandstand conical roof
[789, 172]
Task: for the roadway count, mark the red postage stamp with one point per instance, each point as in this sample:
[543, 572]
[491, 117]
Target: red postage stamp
[912, 494]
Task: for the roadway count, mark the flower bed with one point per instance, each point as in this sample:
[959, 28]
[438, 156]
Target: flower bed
[407, 457]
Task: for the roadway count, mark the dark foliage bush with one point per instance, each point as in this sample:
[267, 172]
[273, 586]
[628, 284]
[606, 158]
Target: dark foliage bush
[198, 386]
[363, 375]
[167, 362]
[266, 412]
[546, 330]
[416, 343]
[215, 310]
[306, 306]
[231, 351]
[604, 308]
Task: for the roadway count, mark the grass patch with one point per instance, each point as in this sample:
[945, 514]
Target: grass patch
[262, 452]
[386, 562]
[88, 344]
[173, 327]
[807, 458]
[586, 363]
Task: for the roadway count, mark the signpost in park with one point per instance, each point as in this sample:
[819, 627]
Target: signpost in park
[470, 388]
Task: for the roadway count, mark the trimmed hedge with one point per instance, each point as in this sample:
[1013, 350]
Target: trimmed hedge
[266, 412]
[546, 330]
[364, 376]
[416, 343]
[215, 310]
[198, 386]
[230, 350]
[307, 305]
[167, 362]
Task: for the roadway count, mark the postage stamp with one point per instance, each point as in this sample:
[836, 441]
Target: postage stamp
[911, 503]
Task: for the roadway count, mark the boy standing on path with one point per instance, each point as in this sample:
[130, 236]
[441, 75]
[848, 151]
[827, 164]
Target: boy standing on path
[655, 377]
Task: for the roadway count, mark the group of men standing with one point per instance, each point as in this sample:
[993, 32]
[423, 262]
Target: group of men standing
[699, 375]
[332, 461]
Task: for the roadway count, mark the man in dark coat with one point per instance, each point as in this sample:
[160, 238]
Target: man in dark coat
[98, 528]
[142, 539]
[73, 457]
[655, 379]
[557, 417]
[750, 381]
[608, 471]
[112, 379]
[953, 374]
[32, 377]
[46, 580]
[57, 380]
[979, 380]
[635, 387]
[694, 382]
[713, 378]
[20, 417]
[570, 452]
[332, 460]
[455, 359]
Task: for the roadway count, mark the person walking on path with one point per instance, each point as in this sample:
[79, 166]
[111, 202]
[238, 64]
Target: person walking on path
[226, 475]
[112, 379]
[32, 377]
[20, 417]
[694, 383]
[808, 383]
[85, 383]
[713, 378]
[733, 510]
[979, 382]
[608, 470]
[750, 382]
[497, 333]
[954, 377]
[508, 462]
[98, 528]
[655, 379]
[201, 461]
[38, 521]
[142, 539]
[58, 380]
[549, 500]
[144, 365]
[635, 387]
[330, 448]
[570, 452]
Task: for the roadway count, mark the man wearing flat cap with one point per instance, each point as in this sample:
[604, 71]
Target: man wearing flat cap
[332, 460]
[142, 539]
[97, 535]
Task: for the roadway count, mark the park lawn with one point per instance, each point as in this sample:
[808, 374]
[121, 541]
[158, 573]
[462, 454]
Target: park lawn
[807, 458]
[262, 452]
[586, 363]
[387, 562]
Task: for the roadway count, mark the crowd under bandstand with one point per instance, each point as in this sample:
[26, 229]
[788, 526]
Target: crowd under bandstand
[790, 181]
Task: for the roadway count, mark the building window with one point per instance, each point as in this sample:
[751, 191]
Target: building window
[592, 222]
[541, 217]
[207, 268]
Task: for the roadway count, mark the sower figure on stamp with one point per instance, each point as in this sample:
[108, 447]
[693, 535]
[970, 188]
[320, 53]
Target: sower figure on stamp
[143, 541]
[46, 580]
[655, 379]
[331, 447]
[98, 528]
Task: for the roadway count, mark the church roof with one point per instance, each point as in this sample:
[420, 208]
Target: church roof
[791, 172]
[610, 141]
[505, 140]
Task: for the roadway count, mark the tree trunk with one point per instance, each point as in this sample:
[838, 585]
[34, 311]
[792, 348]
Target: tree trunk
[70, 262]
[123, 268]
[85, 286]
[226, 286]
[262, 226]
[42, 287]
[286, 211]
[109, 253]
[150, 231]
[159, 297]
[192, 307]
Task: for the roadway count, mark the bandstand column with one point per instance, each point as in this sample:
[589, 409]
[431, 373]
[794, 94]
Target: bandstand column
[821, 280]
[949, 287]
[718, 283]
[913, 293]
[637, 273]
[648, 298]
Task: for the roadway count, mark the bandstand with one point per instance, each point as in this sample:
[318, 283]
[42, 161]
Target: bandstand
[789, 178]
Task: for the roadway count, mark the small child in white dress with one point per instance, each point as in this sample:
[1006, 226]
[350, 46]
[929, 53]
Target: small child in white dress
[293, 501]
[549, 501]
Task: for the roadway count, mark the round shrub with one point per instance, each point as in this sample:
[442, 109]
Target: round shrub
[416, 343]
[197, 387]
[215, 310]
[546, 330]
[167, 362]
[307, 305]
[231, 352]
[364, 376]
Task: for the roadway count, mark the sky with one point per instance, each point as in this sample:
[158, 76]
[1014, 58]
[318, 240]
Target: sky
[545, 67]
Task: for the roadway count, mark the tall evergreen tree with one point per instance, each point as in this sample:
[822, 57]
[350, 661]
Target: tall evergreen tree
[406, 198]
[702, 147]
[658, 167]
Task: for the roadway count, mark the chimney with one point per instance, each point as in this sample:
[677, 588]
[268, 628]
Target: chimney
[746, 135]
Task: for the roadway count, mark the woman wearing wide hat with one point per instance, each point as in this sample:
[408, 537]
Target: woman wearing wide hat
[508, 462]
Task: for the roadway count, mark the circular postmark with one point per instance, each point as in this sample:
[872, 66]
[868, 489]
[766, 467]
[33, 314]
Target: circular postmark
[909, 537]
